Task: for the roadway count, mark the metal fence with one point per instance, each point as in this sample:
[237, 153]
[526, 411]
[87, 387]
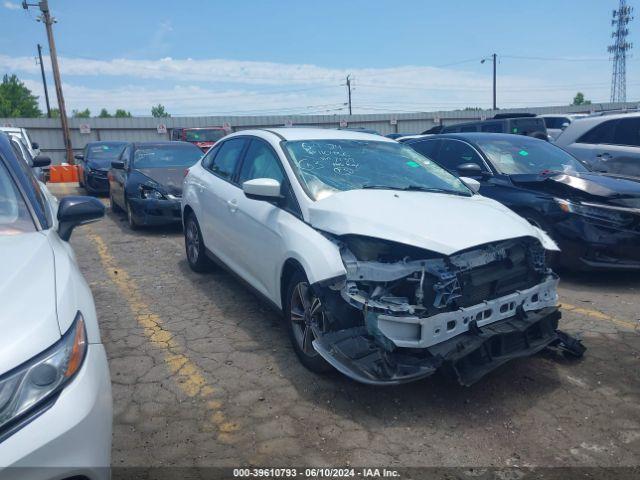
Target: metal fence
[48, 134]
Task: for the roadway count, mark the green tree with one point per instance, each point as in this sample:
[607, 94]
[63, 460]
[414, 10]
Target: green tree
[55, 113]
[104, 114]
[16, 100]
[86, 113]
[580, 100]
[120, 113]
[159, 112]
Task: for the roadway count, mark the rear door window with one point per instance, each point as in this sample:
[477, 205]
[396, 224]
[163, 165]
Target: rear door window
[628, 132]
[601, 133]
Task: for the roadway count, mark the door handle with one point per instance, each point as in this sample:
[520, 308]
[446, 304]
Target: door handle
[604, 155]
[233, 205]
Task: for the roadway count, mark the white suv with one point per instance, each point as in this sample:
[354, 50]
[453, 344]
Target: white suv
[385, 266]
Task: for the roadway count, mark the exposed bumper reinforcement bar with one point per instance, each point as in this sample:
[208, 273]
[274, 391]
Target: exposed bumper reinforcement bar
[466, 358]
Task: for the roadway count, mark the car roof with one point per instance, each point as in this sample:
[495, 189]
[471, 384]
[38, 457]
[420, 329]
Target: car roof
[167, 143]
[478, 136]
[303, 133]
[114, 142]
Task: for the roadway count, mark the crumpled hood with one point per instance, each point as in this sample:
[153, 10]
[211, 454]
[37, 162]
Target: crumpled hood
[28, 320]
[437, 222]
[170, 178]
[604, 186]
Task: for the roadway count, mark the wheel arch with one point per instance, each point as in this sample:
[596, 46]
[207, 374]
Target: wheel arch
[290, 266]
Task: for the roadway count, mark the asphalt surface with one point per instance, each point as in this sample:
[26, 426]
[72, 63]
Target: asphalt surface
[203, 375]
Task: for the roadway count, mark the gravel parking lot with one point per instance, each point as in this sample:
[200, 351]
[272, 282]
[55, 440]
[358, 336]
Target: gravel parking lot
[203, 374]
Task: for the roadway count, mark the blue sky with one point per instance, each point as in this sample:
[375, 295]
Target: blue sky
[210, 57]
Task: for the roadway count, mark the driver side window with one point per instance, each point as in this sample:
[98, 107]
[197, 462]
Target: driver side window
[260, 162]
[454, 153]
[125, 156]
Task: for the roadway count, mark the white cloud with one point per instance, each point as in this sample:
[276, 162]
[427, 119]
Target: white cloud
[220, 86]
[11, 5]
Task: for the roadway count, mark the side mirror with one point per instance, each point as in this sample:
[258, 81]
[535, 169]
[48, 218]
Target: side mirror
[564, 125]
[35, 145]
[117, 164]
[77, 210]
[265, 189]
[41, 161]
[472, 183]
[78, 156]
[469, 170]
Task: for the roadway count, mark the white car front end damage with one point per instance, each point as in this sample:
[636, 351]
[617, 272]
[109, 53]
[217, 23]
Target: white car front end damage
[444, 293]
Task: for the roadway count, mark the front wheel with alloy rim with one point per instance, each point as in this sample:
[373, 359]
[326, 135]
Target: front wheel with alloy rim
[114, 206]
[305, 315]
[133, 225]
[196, 255]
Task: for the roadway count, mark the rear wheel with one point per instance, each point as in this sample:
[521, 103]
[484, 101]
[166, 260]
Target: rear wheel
[303, 313]
[194, 246]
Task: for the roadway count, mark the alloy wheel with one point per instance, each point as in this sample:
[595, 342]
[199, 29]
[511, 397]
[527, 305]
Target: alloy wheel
[193, 241]
[306, 314]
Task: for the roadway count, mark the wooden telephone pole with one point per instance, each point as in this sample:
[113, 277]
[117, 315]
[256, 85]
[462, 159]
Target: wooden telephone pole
[48, 22]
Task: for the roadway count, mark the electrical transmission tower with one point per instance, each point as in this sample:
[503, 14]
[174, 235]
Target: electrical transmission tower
[620, 20]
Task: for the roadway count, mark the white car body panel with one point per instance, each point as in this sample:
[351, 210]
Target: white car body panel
[28, 319]
[419, 219]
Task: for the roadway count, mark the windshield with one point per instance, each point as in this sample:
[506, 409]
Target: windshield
[14, 214]
[103, 153]
[169, 156]
[210, 135]
[521, 155]
[329, 166]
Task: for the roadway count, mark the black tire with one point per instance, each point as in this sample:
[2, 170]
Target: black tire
[133, 225]
[194, 246]
[298, 322]
[553, 259]
[114, 206]
[80, 182]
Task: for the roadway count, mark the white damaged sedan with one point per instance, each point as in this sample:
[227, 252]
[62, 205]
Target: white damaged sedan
[386, 267]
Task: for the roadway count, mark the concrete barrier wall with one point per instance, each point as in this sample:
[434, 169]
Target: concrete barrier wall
[47, 131]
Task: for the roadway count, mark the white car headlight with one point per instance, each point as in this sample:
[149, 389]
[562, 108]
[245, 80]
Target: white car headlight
[35, 381]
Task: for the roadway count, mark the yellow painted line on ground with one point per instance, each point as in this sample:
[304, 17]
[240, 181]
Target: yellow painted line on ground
[587, 312]
[189, 377]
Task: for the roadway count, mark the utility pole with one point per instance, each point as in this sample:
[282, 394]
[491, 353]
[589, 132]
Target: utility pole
[44, 81]
[48, 22]
[494, 57]
[621, 18]
[349, 91]
[494, 82]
